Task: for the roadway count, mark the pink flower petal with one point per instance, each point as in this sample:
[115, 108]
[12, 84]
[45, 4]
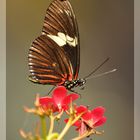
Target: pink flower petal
[87, 116]
[59, 94]
[47, 103]
[77, 123]
[67, 100]
[97, 113]
[82, 129]
[45, 100]
[81, 109]
[66, 120]
[100, 122]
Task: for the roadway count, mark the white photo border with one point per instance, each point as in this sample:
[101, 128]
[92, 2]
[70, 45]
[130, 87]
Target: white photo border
[3, 69]
[136, 69]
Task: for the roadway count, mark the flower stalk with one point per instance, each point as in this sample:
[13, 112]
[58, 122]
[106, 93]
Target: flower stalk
[64, 131]
[52, 118]
[44, 127]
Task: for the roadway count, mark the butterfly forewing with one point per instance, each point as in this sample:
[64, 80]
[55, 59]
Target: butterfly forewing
[60, 22]
[54, 56]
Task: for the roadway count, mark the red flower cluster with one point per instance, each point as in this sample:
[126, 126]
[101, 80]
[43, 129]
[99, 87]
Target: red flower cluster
[53, 107]
[59, 100]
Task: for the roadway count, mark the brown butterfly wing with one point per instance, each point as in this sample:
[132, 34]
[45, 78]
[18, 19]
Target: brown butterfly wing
[60, 18]
[48, 63]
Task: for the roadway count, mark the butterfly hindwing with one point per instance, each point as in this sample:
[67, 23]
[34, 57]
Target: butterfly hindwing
[48, 63]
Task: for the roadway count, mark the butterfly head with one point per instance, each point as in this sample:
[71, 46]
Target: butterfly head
[81, 83]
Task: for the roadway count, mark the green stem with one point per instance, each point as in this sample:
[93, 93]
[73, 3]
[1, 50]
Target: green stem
[44, 128]
[70, 122]
[64, 131]
[88, 133]
[51, 125]
[53, 136]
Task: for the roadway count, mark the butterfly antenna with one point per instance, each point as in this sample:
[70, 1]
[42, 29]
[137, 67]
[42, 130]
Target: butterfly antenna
[102, 74]
[97, 68]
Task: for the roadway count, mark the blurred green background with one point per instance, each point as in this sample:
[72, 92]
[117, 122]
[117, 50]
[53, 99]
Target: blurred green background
[106, 29]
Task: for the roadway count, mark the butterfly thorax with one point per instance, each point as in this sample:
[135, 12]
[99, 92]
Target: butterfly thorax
[75, 83]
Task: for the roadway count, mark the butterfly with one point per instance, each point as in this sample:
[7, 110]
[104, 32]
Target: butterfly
[54, 57]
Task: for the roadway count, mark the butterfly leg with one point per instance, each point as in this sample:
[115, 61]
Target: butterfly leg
[51, 90]
[71, 90]
[82, 87]
[79, 95]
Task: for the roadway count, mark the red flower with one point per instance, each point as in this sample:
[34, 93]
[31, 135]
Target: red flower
[90, 120]
[47, 104]
[59, 100]
[95, 117]
[80, 110]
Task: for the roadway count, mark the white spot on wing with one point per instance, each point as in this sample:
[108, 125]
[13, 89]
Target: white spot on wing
[57, 40]
[63, 39]
[62, 36]
[43, 33]
[71, 41]
[69, 38]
